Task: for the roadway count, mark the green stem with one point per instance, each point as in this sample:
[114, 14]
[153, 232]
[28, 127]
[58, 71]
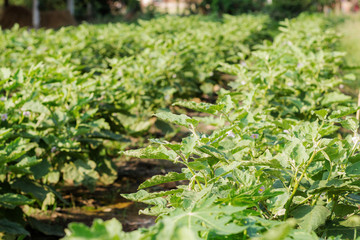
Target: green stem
[316, 199]
[194, 175]
[193, 131]
[231, 122]
[354, 148]
[355, 233]
[335, 200]
[21, 118]
[205, 179]
[185, 163]
[297, 183]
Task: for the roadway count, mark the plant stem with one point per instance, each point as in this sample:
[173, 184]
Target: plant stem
[297, 183]
[185, 163]
[355, 231]
[335, 200]
[315, 199]
[231, 122]
[194, 175]
[204, 179]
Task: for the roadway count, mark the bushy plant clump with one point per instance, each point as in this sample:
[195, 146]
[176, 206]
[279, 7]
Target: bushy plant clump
[70, 99]
[283, 162]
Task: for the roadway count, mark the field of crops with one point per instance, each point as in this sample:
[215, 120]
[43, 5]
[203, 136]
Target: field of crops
[267, 142]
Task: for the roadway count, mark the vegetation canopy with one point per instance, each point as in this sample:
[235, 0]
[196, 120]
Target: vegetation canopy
[269, 149]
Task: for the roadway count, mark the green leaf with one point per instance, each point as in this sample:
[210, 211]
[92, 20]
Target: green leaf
[156, 210]
[355, 158]
[335, 97]
[160, 179]
[47, 229]
[342, 210]
[353, 221]
[353, 170]
[280, 232]
[35, 106]
[138, 196]
[203, 216]
[4, 132]
[321, 113]
[188, 144]
[153, 153]
[111, 230]
[200, 107]
[11, 200]
[5, 73]
[299, 234]
[311, 217]
[213, 152]
[334, 185]
[81, 172]
[227, 102]
[297, 151]
[40, 169]
[350, 123]
[49, 200]
[350, 77]
[33, 188]
[9, 227]
[277, 203]
[27, 162]
[148, 198]
[342, 112]
[181, 120]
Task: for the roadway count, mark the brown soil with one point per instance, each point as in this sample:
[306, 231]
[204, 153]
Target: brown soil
[23, 17]
[105, 202]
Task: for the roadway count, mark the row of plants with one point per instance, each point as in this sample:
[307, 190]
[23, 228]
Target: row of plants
[70, 99]
[283, 162]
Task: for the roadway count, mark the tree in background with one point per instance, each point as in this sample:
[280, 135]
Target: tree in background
[280, 9]
[230, 6]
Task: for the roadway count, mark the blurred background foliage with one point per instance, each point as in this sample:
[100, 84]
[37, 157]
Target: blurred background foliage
[278, 9]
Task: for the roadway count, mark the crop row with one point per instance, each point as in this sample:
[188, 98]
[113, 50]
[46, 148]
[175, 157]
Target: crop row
[283, 163]
[70, 99]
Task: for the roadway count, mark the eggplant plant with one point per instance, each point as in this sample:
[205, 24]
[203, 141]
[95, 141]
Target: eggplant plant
[282, 163]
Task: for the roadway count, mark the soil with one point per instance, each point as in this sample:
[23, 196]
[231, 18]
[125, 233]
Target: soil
[104, 203]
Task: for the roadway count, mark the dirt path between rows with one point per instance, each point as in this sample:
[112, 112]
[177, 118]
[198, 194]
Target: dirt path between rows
[105, 202]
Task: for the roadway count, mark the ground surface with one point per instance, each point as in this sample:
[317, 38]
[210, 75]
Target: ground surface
[105, 202]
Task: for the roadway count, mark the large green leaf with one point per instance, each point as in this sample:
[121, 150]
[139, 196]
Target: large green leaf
[35, 106]
[311, 217]
[334, 185]
[152, 152]
[335, 97]
[203, 216]
[9, 227]
[353, 170]
[342, 111]
[181, 120]
[279, 232]
[81, 172]
[159, 179]
[32, 188]
[353, 221]
[200, 107]
[297, 151]
[11, 200]
[100, 229]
